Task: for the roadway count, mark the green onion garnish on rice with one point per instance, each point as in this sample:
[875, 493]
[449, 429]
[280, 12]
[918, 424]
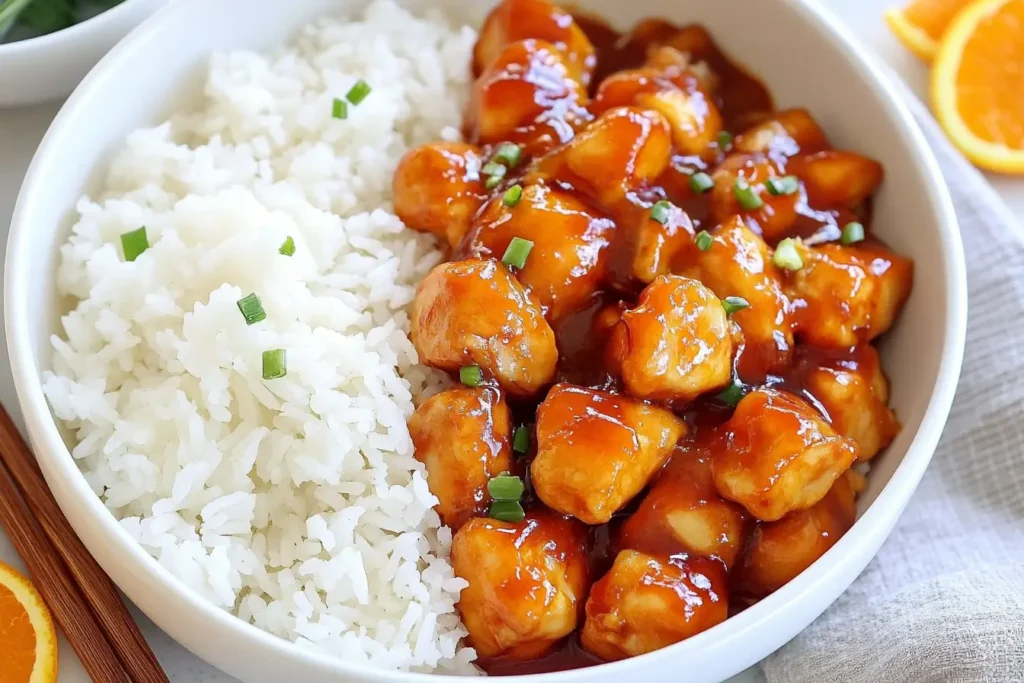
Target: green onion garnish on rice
[517, 253]
[274, 364]
[252, 309]
[287, 247]
[134, 243]
[339, 109]
[358, 92]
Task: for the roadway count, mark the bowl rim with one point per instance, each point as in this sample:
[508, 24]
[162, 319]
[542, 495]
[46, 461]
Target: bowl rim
[78, 30]
[862, 541]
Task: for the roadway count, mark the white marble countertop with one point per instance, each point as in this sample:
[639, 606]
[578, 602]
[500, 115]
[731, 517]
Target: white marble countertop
[21, 130]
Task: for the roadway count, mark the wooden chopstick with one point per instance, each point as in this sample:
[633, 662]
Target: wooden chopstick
[56, 586]
[46, 532]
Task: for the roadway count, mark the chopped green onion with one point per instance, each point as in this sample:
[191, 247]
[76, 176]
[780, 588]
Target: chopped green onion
[704, 240]
[701, 182]
[731, 395]
[506, 486]
[339, 109]
[787, 256]
[724, 139]
[358, 92]
[134, 243]
[471, 375]
[731, 304]
[521, 440]
[517, 252]
[512, 196]
[507, 511]
[661, 211]
[252, 309]
[782, 186]
[746, 195]
[287, 247]
[852, 233]
[495, 172]
[274, 364]
[509, 154]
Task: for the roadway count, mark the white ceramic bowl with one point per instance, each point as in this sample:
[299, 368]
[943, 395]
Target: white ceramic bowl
[50, 66]
[805, 57]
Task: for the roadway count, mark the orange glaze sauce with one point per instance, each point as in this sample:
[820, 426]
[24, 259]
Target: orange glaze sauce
[744, 101]
[582, 335]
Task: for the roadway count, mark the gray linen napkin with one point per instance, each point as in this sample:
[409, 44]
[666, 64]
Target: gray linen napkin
[944, 599]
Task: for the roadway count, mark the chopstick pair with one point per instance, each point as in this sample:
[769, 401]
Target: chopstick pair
[84, 601]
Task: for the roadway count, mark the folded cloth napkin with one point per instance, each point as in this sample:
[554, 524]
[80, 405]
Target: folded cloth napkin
[943, 601]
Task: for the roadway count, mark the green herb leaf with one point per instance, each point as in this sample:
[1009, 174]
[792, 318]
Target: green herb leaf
[47, 16]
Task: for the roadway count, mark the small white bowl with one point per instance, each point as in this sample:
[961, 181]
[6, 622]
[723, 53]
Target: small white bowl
[805, 57]
[50, 66]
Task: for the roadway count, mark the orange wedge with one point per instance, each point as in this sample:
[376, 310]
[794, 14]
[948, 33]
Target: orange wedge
[977, 87]
[28, 642]
[921, 24]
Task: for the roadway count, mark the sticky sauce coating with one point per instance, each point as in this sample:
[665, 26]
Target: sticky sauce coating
[660, 312]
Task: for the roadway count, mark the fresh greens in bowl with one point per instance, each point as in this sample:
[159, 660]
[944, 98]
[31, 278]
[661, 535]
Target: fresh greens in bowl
[21, 19]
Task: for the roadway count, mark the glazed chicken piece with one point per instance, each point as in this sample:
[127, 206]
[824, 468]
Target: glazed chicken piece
[623, 149]
[777, 454]
[739, 263]
[741, 190]
[837, 179]
[777, 551]
[667, 86]
[683, 512]
[438, 189]
[462, 435]
[855, 394]
[847, 296]
[646, 247]
[596, 450]
[647, 602]
[515, 20]
[570, 240]
[528, 95]
[675, 344]
[475, 312]
[783, 136]
[527, 583]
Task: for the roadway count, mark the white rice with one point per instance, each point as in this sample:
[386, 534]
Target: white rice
[294, 503]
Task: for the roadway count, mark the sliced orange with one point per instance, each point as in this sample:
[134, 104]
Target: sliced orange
[28, 641]
[921, 23]
[977, 86]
